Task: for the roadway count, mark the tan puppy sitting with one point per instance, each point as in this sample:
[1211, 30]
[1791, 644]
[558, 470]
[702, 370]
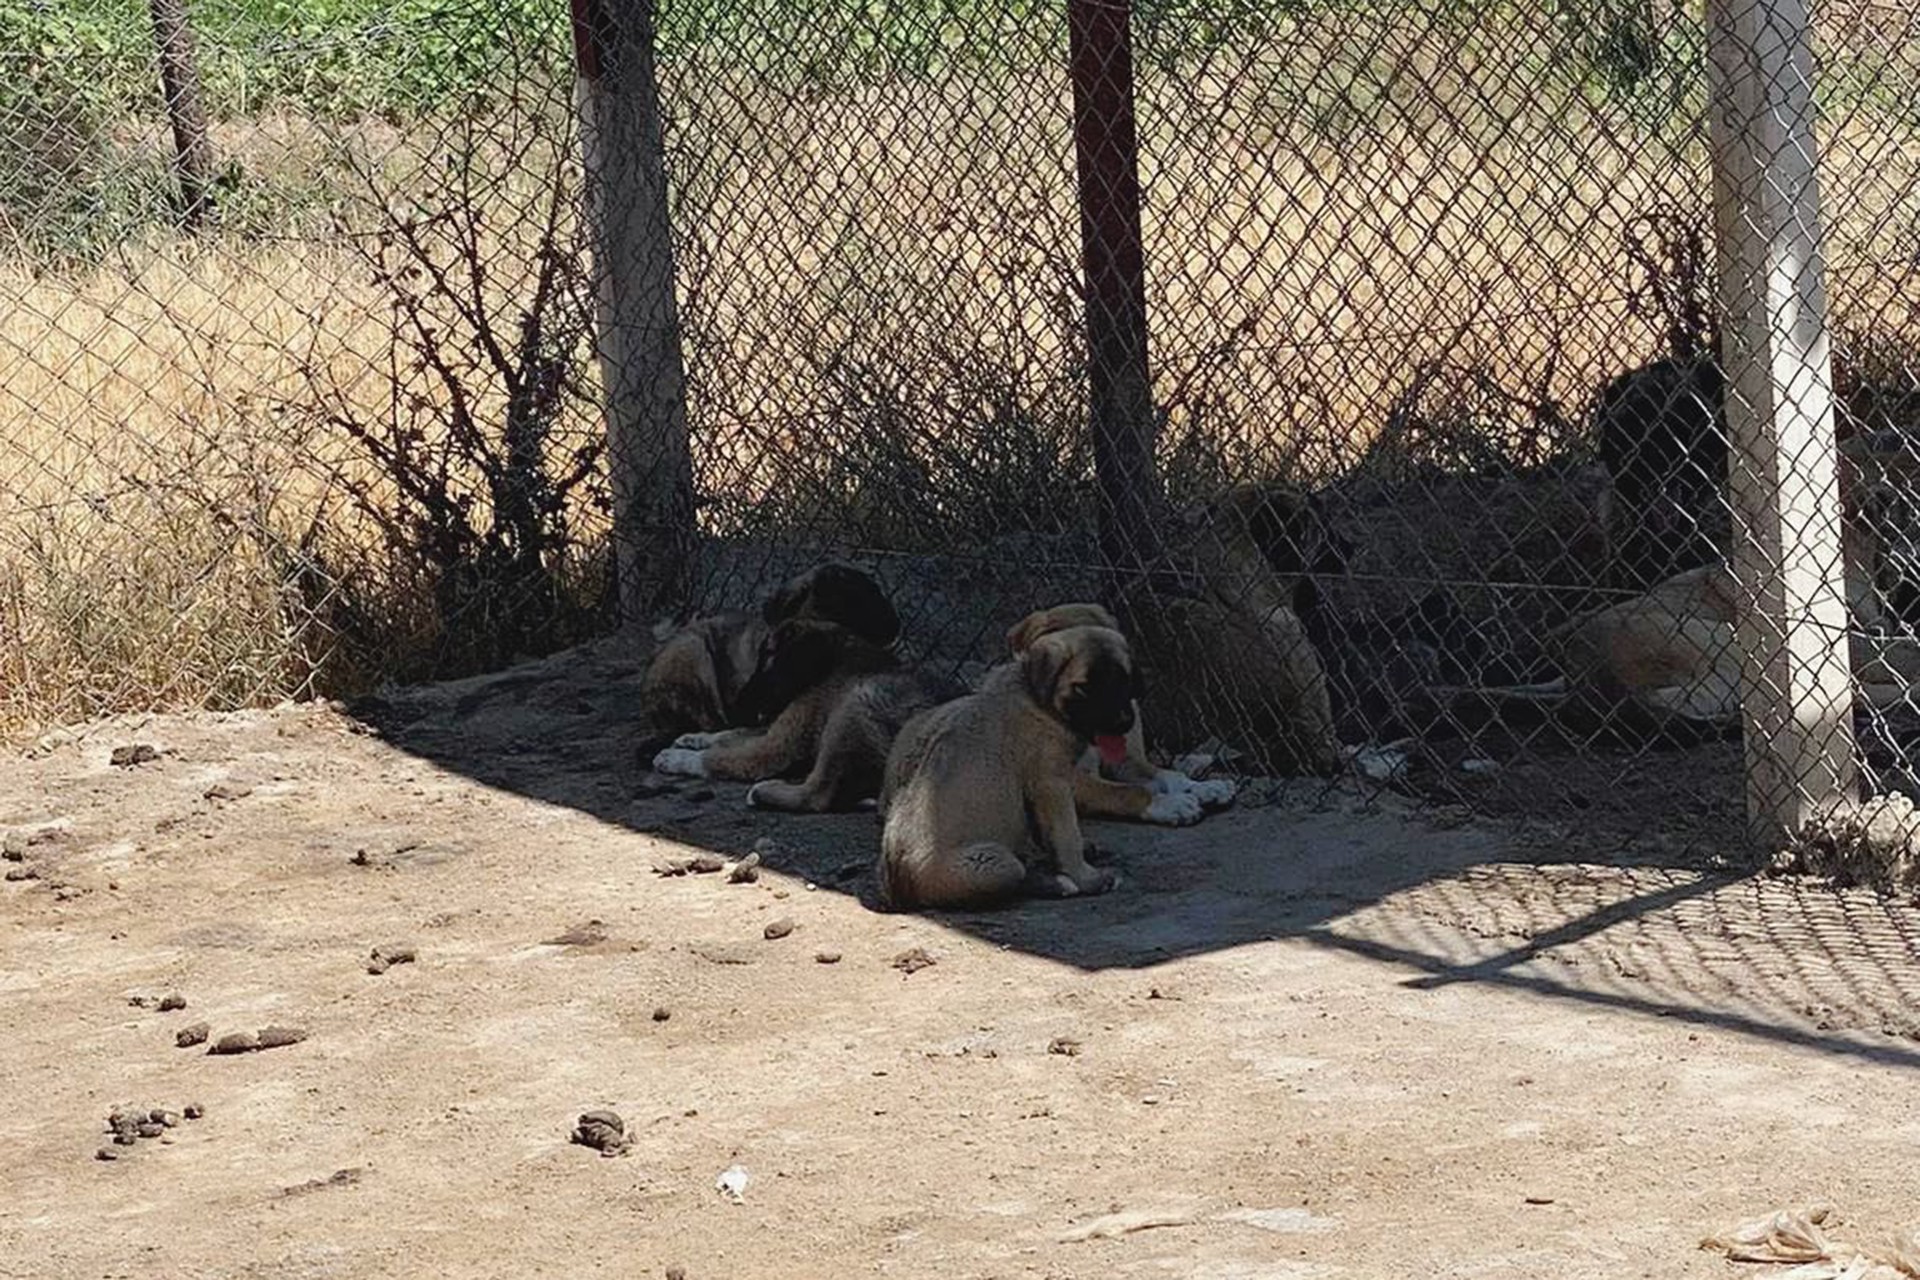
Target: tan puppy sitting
[979, 802]
[1124, 761]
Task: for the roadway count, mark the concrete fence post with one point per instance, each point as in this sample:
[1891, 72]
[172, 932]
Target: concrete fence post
[1796, 687]
[642, 367]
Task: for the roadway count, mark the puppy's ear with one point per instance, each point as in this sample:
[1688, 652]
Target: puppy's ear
[1057, 618]
[1096, 615]
[1045, 668]
[795, 656]
[1022, 634]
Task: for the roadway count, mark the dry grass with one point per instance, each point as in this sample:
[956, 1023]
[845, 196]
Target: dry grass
[179, 529]
[896, 259]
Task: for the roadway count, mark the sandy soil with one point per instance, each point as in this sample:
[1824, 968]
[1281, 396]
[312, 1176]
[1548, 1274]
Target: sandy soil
[1310, 1037]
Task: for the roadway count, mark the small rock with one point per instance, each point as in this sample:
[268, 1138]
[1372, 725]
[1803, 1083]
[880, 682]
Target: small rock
[706, 864]
[913, 960]
[187, 1037]
[1064, 1047]
[227, 791]
[673, 867]
[385, 957]
[106, 1153]
[768, 847]
[608, 1119]
[604, 1131]
[164, 1118]
[67, 892]
[15, 846]
[149, 1129]
[662, 1013]
[777, 929]
[1539, 1200]
[360, 858]
[676, 1273]
[17, 874]
[126, 1139]
[135, 753]
[590, 934]
[338, 1178]
[171, 1001]
[826, 957]
[745, 871]
[274, 1037]
[721, 953]
[237, 1042]
[193, 1111]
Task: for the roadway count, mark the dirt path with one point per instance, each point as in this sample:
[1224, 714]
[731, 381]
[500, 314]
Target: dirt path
[1309, 1041]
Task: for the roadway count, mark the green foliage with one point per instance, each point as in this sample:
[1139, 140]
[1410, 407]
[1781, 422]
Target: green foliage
[390, 57]
[75, 73]
[1648, 61]
[335, 58]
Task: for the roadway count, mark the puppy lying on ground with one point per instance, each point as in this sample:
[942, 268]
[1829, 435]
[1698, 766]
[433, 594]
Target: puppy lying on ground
[843, 701]
[831, 702]
[982, 795]
[1124, 762]
[695, 678]
[1670, 656]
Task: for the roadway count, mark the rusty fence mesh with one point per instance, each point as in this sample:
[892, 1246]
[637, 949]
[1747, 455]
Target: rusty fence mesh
[1436, 411]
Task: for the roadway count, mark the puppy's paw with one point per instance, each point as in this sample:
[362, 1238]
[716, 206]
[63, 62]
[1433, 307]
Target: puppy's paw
[1167, 782]
[1177, 809]
[756, 798]
[681, 762]
[1214, 793]
[1097, 880]
[695, 741]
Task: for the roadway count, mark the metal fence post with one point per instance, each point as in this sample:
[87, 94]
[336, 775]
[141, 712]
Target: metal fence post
[186, 113]
[642, 368]
[1107, 155]
[1796, 694]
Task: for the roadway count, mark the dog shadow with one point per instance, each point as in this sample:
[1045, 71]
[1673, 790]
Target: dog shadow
[1433, 896]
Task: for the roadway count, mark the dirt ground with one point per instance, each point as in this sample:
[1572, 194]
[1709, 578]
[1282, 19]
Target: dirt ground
[1307, 1038]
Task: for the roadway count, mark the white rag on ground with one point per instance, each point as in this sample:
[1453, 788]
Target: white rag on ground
[1796, 1236]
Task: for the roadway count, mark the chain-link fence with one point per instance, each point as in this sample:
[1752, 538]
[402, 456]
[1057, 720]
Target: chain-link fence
[1377, 361]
